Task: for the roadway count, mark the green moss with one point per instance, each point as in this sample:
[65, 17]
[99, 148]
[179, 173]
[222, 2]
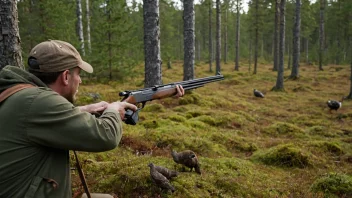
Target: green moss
[241, 145]
[206, 119]
[323, 131]
[302, 88]
[247, 116]
[192, 98]
[177, 118]
[331, 147]
[196, 124]
[150, 124]
[282, 128]
[156, 107]
[180, 109]
[333, 185]
[284, 156]
[193, 114]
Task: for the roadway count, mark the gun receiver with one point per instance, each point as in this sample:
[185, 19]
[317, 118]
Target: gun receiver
[142, 96]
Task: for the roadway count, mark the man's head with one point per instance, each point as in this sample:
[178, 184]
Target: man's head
[58, 64]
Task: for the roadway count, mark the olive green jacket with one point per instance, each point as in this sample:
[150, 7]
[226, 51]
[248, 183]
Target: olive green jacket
[38, 127]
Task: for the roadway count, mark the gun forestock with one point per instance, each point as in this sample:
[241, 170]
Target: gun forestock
[165, 91]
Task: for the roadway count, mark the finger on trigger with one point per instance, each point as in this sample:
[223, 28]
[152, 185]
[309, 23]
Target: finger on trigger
[130, 106]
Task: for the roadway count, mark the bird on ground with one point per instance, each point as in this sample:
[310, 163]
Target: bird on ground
[187, 158]
[258, 94]
[334, 104]
[159, 179]
[166, 172]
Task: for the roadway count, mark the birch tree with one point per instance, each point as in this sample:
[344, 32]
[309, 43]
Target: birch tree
[189, 37]
[88, 27]
[151, 43]
[80, 26]
[10, 42]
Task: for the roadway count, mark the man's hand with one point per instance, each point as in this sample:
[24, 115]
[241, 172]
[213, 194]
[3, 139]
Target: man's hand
[95, 108]
[121, 107]
[180, 91]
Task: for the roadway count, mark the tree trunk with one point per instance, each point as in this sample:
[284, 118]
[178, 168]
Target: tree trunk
[280, 73]
[218, 36]
[88, 27]
[237, 44]
[350, 95]
[296, 42]
[80, 26]
[198, 50]
[289, 55]
[250, 56]
[210, 37]
[225, 35]
[151, 43]
[338, 39]
[10, 42]
[256, 38]
[108, 11]
[276, 35]
[307, 50]
[321, 35]
[189, 46]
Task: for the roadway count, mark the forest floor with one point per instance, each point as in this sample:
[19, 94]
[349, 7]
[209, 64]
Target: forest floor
[287, 144]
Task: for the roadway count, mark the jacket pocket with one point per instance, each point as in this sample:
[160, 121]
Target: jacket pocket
[41, 187]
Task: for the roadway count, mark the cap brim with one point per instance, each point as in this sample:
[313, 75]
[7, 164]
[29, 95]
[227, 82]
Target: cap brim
[86, 67]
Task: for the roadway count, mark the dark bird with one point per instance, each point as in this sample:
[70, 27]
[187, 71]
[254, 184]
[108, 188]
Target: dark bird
[258, 94]
[159, 179]
[334, 104]
[166, 172]
[187, 158]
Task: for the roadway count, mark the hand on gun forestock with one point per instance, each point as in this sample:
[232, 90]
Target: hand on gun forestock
[180, 91]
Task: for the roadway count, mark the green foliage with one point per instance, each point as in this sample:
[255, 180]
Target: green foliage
[333, 185]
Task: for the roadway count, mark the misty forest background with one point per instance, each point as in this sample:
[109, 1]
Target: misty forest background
[288, 144]
[110, 33]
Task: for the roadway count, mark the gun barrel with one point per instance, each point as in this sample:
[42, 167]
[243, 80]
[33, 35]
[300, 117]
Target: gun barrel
[187, 85]
[201, 80]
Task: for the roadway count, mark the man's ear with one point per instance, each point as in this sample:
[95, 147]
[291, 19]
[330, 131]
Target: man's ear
[64, 77]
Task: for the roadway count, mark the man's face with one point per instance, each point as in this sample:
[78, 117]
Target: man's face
[74, 81]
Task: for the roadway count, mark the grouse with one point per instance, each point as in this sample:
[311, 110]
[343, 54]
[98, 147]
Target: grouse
[258, 94]
[334, 104]
[166, 172]
[187, 158]
[160, 180]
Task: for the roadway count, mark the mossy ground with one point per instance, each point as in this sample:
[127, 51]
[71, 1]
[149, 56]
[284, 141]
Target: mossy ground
[282, 145]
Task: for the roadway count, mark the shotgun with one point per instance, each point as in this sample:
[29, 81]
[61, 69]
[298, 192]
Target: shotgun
[142, 96]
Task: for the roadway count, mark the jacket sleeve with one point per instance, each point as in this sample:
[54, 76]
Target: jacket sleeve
[54, 122]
